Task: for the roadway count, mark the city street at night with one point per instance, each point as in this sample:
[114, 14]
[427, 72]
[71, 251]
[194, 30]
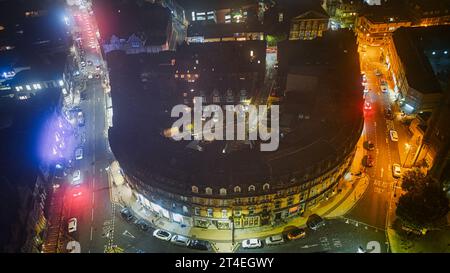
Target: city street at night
[192, 130]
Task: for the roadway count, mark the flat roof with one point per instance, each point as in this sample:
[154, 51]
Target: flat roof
[220, 30]
[115, 17]
[411, 45]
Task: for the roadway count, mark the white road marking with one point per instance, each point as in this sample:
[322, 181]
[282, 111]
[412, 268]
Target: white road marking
[92, 215]
[387, 141]
[91, 232]
[127, 233]
[93, 198]
[382, 172]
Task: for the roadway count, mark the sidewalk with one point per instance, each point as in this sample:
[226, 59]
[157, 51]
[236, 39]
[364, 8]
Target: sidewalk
[337, 205]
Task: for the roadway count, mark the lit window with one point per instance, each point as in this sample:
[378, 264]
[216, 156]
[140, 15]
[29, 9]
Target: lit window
[210, 212]
[61, 83]
[280, 17]
[197, 211]
[223, 191]
[28, 87]
[266, 186]
[237, 189]
[224, 213]
[208, 190]
[39, 86]
[194, 189]
[251, 188]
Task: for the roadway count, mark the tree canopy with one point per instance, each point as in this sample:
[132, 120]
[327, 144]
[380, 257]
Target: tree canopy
[424, 203]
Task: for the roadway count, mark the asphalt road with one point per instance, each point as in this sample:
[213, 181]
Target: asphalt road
[373, 206]
[93, 208]
[132, 239]
[337, 236]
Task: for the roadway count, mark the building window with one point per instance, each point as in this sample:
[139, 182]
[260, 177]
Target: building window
[194, 189]
[223, 191]
[208, 190]
[210, 212]
[224, 213]
[237, 212]
[251, 188]
[251, 210]
[237, 189]
[280, 17]
[185, 209]
[266, 186]
[290, 201]
[277, 204]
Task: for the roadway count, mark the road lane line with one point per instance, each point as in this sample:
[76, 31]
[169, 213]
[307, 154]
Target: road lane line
[91, 233]
[93, 198]
[92, 215]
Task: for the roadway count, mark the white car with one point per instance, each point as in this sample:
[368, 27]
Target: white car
[79, 154]
[396, 171]
[76, 178]
[72, 225]
[394, 135]
[274, 240]
[251, 243]
[180, 240]
[162, 234]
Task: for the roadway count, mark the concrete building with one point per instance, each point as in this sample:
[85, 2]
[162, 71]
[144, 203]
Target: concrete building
[414, 69]
[298, 20]
[212, 184]
[221, 12]
[137, 27]
[375, 24]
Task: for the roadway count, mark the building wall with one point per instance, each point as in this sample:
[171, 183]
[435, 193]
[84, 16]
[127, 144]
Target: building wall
[262, 208]
[374, 33]
[306, 29]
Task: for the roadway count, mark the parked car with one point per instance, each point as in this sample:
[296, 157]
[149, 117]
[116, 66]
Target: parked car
[251, 243]
[142, 224]
[369, 145]
[76, 191]
[367, 161]
[72, 226]
[296, 233]
[396, 171]
[126, 214]
[393, 134]
[162, 234]
[314, 222]
[199, 245]
[388, 114]
[76, 177]
[79, 154]
[180, 240]
[274, 240]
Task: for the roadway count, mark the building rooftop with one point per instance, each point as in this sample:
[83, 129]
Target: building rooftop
[391, 12]
[209, 5]
[414, 47]
[309, 146]
[122, 19]
[221, 30]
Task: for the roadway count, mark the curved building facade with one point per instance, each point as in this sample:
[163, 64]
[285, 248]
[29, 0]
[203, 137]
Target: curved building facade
[222, 184]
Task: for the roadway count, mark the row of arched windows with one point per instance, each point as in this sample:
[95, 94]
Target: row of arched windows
[236, 189]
